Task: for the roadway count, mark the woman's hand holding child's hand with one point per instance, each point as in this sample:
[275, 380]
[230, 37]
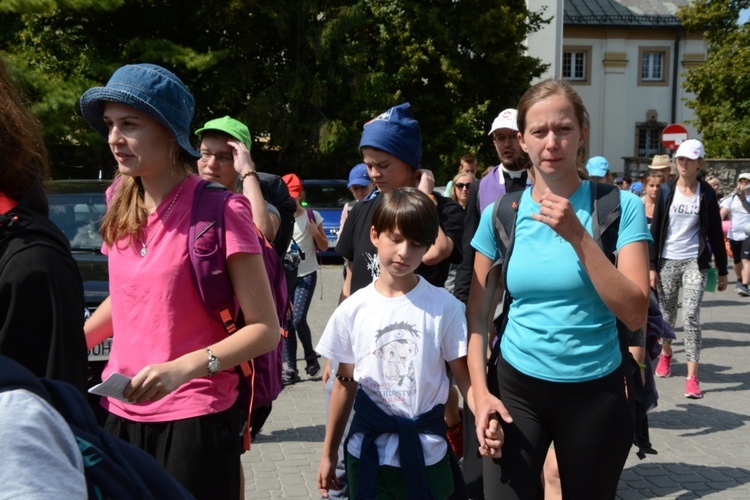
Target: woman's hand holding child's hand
[488, 428]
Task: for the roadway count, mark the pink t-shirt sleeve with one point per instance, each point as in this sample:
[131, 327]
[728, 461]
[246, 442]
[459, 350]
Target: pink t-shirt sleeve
[238, 227]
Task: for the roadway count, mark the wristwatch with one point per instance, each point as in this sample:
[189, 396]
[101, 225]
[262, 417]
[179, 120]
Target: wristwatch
[214, 365]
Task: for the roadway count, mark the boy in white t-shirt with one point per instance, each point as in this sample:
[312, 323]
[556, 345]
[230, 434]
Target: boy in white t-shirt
[392, 339]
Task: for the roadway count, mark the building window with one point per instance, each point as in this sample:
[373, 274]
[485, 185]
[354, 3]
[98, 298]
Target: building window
[648, 139]
[576, 64]
[654, 68]
[651, 66]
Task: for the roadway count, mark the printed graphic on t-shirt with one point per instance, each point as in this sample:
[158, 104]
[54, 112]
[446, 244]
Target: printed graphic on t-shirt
[373, 264]
[396, 346]
[686, 207]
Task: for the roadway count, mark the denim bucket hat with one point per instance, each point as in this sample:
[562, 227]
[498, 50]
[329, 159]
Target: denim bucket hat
[150, 89]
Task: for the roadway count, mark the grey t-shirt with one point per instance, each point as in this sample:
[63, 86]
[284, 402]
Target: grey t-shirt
[41, 459]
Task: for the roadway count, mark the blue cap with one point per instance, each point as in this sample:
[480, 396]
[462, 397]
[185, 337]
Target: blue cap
[358, 176]
[150, 89]
[619, 180]
[396, 132]
[597, 166]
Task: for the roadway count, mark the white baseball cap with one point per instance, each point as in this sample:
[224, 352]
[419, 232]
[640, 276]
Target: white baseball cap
[745, 176]
[691, 148]
[506, 119]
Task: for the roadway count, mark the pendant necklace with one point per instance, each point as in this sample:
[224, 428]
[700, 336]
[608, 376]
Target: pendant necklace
[145, 244]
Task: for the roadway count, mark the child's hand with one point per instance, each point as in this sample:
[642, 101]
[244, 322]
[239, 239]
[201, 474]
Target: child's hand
[489, 432]
[493, 440]
[327, 476]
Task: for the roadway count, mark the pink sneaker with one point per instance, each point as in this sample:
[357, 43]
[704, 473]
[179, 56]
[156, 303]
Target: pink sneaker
[692, 389]
[664, 367]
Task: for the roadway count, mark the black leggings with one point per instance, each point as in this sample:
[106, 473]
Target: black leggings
[588, 422]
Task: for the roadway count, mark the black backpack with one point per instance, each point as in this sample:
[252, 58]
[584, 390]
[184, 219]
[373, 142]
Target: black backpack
[276, 193]
[113, 468]
[605, 203]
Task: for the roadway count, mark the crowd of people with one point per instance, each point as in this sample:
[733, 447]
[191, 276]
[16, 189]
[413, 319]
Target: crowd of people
[477, 290]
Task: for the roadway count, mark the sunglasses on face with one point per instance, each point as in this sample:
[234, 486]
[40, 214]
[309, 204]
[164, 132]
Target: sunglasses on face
[462, 185]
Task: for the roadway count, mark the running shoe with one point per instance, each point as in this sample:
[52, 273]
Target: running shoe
[313, 369]
[742, 290]
[289, 377]
[692, 388]
[664, 367]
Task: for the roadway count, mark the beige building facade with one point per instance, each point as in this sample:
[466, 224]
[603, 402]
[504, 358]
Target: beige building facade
[627, 60]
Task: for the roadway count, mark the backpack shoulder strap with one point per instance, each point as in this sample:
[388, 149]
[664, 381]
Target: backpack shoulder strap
[605, 205]
[504, 221]
[206, 249]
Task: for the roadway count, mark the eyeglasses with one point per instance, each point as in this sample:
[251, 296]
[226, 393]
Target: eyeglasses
[462, 185]
[220, 157]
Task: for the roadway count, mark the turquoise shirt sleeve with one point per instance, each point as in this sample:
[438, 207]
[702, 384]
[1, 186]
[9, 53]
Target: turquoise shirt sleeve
[633, 224]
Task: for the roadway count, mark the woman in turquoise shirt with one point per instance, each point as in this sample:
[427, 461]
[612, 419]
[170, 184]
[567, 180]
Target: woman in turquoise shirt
[558, 373]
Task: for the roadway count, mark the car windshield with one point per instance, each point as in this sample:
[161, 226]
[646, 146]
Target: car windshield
[79, 215]
[326, 195]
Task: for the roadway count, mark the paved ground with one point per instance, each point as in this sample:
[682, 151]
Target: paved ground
[703, 445]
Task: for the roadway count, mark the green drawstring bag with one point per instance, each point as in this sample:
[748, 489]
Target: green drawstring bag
[712, 279]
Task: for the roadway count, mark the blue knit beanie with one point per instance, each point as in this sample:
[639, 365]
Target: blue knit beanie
[395, 132]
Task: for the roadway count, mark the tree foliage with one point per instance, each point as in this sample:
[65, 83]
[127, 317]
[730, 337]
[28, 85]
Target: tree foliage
[721, 84]
[304, 75]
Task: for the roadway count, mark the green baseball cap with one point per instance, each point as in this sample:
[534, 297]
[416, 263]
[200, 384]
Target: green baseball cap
[230, 126]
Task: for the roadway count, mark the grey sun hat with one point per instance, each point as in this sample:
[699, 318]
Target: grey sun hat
[151, 89]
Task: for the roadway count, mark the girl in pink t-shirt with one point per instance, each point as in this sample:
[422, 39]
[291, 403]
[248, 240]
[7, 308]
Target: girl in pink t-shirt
[180, 404]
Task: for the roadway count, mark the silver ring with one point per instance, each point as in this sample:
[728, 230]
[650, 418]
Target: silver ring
[550, 204]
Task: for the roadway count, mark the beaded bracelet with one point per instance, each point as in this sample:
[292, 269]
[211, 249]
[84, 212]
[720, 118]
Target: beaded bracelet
[248, 174]
[642, 366]
[344, 379]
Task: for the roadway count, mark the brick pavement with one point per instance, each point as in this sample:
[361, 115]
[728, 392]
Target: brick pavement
[703, 445]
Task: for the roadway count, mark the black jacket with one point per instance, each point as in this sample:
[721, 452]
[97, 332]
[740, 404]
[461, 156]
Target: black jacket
[709, 222]
[41, 298]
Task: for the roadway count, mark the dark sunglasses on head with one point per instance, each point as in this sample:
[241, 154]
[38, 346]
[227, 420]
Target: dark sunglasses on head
[462, 185]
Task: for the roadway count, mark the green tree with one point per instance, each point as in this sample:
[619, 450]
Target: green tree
[305, 75]
[721, 85]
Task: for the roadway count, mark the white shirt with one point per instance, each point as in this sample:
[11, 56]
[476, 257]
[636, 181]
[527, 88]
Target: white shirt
[399, 347]
[682, 239]
[306, 242]
[740, 218]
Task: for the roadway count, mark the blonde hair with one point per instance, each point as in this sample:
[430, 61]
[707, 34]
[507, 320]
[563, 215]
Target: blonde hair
[546, 89]
[655, 176]
[127, 213]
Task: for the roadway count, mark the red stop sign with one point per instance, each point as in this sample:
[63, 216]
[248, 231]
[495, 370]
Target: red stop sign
[673, 135]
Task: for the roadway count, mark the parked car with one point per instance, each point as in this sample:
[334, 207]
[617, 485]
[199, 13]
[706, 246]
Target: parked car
[77, 208]
[327, 196]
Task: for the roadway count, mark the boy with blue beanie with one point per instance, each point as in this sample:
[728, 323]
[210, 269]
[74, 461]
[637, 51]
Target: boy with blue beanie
[391, 147]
